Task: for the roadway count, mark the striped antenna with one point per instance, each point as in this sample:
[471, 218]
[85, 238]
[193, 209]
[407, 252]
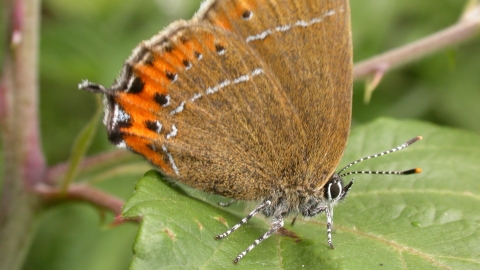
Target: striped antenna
[93, 87]
[405, 145]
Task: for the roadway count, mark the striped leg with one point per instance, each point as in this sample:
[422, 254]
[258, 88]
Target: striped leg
[244, 220]
[346, 189]
[277, 224]
[293, 220]
[329, 214]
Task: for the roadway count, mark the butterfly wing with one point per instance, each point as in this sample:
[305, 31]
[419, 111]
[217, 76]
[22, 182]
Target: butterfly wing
[201, 105]
[244, 97]
[307, 44]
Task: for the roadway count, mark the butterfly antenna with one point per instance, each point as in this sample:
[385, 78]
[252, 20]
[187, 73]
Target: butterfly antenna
[92, 87]
[400, 147]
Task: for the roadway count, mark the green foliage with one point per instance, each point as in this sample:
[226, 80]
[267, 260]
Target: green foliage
[424, 221]
[81, 144]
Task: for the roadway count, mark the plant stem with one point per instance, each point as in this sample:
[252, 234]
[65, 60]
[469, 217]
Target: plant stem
[83, 193]
[24, 161]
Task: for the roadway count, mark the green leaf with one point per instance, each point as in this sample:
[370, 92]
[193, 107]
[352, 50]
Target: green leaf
[80, 146]
[424, 221]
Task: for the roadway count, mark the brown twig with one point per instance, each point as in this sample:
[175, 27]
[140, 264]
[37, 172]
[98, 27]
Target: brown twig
[467, 27]
[83, 193]
[56, 172]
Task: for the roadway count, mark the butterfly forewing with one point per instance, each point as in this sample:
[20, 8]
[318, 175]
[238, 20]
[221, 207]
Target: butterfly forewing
[225, 132]
[310, 53]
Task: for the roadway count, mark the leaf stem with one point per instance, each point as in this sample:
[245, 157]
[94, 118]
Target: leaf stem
[80, 147]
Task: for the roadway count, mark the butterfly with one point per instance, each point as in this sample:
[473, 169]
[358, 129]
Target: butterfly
[250, 99]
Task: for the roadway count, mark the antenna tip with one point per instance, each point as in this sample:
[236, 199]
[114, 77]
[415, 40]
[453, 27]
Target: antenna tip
[411, 141]
[412, 171]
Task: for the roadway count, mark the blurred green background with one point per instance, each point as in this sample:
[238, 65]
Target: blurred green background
[91, 39]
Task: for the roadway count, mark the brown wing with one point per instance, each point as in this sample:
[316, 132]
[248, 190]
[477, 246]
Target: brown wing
[307, 45]
[201, 105]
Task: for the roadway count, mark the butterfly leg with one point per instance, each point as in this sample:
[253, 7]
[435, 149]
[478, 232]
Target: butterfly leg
[227, 204]
[277, 224]
[329, 214]
[293, 220]
[345, 190]
[244, 220]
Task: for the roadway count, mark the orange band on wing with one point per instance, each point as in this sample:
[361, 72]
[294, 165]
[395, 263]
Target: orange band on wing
[141, 146]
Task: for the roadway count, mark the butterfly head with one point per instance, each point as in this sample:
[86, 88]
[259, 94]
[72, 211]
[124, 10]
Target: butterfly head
[115, 117]
[334, 191]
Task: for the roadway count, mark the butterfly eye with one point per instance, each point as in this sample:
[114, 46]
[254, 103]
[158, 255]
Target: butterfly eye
[334, 189]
